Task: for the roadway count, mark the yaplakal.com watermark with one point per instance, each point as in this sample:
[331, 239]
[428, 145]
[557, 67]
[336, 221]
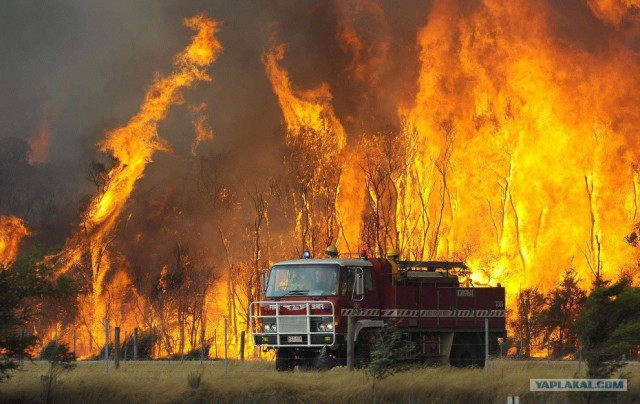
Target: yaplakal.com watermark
[578, 384]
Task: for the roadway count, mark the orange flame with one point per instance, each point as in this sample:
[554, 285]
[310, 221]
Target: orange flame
[134, 144]
[312, 125]
[12, 232]
[303, 109]
[523, 151]
[613, 11]
[530, 169]
[132, 147]
[203, 130]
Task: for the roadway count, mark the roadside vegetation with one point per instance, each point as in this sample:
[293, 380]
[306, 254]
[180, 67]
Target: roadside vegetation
[258, 382]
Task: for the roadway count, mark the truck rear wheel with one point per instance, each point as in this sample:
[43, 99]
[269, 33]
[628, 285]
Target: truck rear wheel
[285, 361]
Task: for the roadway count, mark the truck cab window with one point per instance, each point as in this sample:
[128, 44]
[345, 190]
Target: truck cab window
[348, 280]
[303, 280]
[349, 277]
[368, 283]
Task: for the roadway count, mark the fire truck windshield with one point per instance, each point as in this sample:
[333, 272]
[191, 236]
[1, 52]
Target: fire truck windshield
[303, 280]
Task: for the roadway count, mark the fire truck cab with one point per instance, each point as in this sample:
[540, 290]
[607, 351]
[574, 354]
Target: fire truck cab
[307, 302]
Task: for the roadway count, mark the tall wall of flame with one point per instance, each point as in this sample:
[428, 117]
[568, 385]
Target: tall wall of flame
[537, 137]
[522, 136]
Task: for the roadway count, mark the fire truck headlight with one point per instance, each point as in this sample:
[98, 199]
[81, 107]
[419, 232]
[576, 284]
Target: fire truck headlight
[325, 324]
[269, 327]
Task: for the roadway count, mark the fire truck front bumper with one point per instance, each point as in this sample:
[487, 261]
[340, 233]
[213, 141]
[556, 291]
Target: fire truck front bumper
[295, 340]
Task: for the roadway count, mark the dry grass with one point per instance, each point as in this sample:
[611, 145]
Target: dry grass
[258, 382]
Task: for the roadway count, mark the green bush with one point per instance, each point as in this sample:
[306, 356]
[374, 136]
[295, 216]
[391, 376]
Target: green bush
[391, 353]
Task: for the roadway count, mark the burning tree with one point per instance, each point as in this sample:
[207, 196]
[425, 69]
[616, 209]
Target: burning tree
[385, 161]
[89, 253]
[314, 138]
[12, 232]
[25, 287]
[316, 170]
[565, 305]
[528, 322]
[180, 302]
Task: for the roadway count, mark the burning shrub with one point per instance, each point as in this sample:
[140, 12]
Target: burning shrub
[23, 286]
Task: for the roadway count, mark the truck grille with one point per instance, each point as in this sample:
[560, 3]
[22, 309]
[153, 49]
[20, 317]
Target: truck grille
[293, 324]
[292, 330]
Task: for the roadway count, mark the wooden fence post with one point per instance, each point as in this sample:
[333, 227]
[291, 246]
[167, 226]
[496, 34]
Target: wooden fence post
[116, 347]
[135, 344]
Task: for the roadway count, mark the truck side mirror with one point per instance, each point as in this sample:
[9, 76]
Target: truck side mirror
[359, 284]
[265, 279]
[358, 290]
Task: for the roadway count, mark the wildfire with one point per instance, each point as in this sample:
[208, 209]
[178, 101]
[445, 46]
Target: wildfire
[12, 232]
[310, 109]
[514, 148]
[519, 154]
[531, 170]
[369, 56]
[203, 130]
[316, 136]
[133, 147]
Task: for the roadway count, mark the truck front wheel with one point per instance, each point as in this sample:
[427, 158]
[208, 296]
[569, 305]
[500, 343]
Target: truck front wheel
[466, 352]
[285, 361]
[363, 347]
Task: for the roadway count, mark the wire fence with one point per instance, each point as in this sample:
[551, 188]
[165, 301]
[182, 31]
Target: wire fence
[116, 343]
[119, 343]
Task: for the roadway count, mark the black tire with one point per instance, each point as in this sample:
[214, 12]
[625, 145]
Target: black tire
[285, 361]
[465, 353]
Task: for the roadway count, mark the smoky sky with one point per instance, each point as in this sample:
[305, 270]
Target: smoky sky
[83, 66]
[89, 63]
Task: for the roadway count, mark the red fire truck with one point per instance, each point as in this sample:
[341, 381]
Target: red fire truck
[303, 316]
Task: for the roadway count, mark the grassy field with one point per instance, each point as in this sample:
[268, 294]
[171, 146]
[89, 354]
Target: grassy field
[258, 382]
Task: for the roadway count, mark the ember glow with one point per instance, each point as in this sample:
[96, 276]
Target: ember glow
[502, 134]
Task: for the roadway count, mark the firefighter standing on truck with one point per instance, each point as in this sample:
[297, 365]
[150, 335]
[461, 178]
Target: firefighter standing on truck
[393, 256]
[331, 252]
